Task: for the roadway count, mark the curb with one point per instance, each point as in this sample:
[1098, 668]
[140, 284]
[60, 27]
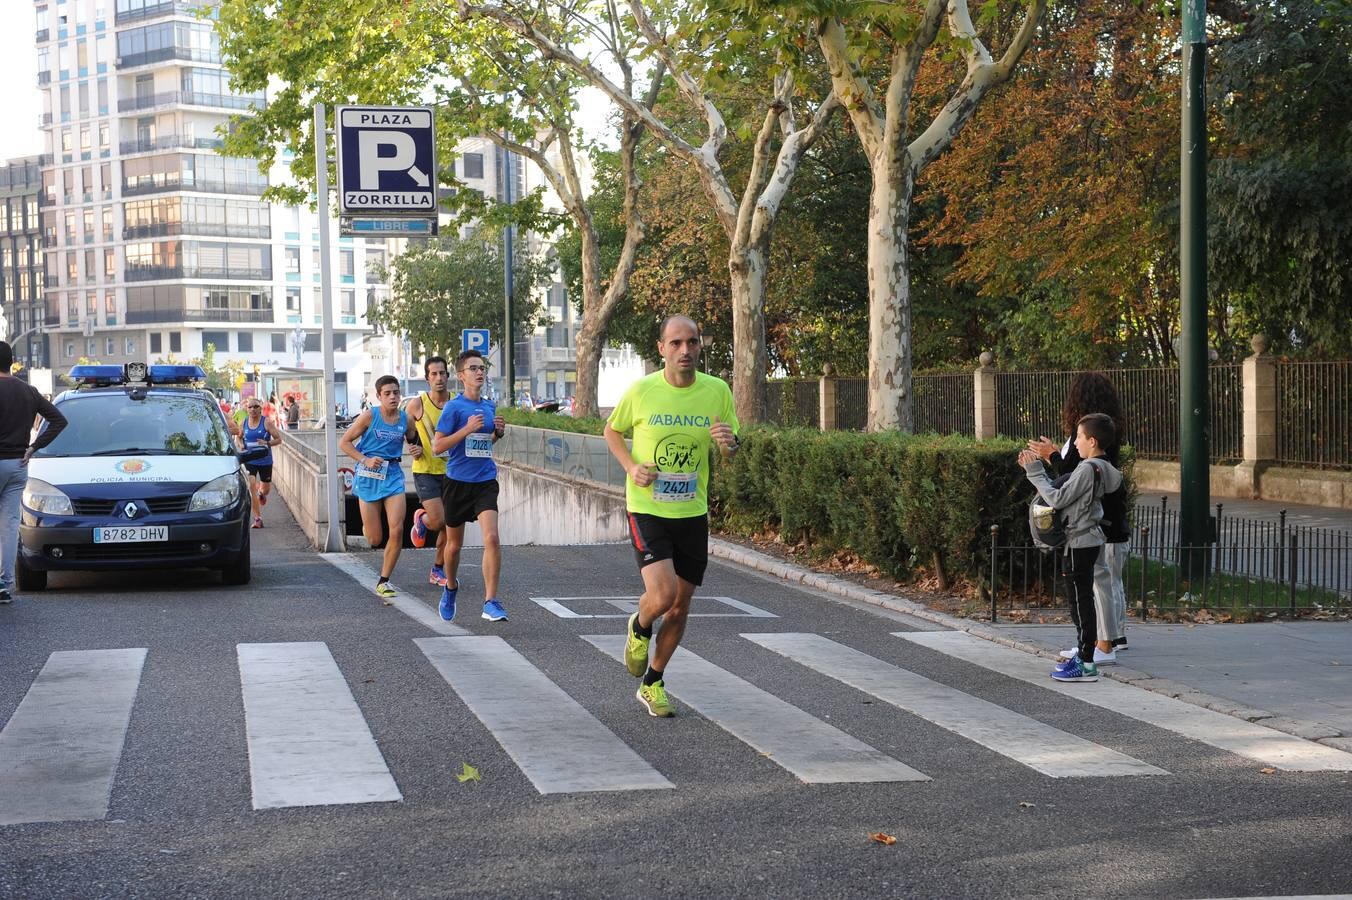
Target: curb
[829, 584]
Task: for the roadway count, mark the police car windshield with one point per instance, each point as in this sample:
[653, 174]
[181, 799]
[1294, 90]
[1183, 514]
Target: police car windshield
[109, 423]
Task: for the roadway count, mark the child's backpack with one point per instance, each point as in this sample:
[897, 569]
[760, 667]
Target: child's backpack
[1048, 525]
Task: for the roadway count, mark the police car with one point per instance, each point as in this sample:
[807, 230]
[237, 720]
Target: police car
[144, 476]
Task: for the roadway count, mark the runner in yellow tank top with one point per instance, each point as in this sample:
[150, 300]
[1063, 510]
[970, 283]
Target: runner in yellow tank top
[429, 472]
[678, 416]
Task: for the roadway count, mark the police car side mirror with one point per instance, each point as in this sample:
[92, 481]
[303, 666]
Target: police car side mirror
[252, 454]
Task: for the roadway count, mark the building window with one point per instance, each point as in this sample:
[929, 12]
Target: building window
[339, 342]
[91, 348]
[244, 341]
[348, 299]
[473, 165]
[218, 339]
[293, 301]
[110, 346]
[278, 342]
[345, 264]
[156, 342]
[70, 349]
[131, 346]
[293, 260]
[175, 342]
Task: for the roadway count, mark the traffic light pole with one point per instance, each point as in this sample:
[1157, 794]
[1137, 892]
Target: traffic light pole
[333, 541]
[1194, 458]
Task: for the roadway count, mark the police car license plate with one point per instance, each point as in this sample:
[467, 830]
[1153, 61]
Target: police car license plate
[131, 534]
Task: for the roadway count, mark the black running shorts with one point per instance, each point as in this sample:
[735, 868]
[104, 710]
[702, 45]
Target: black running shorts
[462, 501]
[683, 541]
[262, 473]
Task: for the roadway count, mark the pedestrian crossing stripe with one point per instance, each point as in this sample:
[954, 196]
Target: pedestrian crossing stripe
[627, 606]
[1252, 741]
[1035, 744]
[60, 750]
[308, 743]
[812, 750]
[556, 743]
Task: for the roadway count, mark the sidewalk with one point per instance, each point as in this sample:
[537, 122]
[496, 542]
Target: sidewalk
[1294, 677]
[1265, 510]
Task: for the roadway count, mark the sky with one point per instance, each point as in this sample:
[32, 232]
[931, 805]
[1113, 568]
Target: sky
[22, 104]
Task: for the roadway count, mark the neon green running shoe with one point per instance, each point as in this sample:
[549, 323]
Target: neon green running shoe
[654, 697]
[384, 590]
[636, 650]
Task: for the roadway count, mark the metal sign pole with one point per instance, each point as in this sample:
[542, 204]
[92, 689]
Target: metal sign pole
[333, 542]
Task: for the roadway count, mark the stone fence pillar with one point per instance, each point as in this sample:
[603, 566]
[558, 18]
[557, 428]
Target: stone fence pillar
[984, 397]
[826, 399]
[1260, 417]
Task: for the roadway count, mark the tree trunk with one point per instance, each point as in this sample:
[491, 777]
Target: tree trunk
[889, 296]
[746, 267]
[590, 346]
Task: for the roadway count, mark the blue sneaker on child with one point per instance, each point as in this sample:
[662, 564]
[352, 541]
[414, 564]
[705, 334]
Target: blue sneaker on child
[494, 612]
[447, 607]
[1074, 670]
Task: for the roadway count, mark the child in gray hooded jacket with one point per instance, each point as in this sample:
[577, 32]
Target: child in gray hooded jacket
[1078, 496]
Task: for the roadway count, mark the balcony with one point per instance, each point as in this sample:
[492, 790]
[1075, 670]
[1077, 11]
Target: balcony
[150, 316]
[160, 54]
[44, 78]
[170, 142]
[199, 229]
[165, 8]
[141, 272]
[557, 355]
[189, 98]
[45, 120]
[246, 188]
[44, 35]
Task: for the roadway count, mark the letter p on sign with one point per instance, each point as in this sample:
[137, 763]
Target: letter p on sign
[373, 161]
[474, 339]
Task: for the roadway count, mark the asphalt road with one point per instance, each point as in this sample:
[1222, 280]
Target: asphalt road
[181, 822]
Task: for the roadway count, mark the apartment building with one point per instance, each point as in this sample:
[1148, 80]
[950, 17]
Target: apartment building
[157, 245]
[21, 271]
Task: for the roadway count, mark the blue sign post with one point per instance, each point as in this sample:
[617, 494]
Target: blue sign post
[386, 161]
[474, 339]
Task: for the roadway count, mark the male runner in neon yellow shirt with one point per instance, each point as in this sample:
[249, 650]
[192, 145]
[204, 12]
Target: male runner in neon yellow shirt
[676, 416]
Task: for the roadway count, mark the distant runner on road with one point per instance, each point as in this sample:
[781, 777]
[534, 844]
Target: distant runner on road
[468, 429]
[257, 431]
[429, 470]
[676, 416]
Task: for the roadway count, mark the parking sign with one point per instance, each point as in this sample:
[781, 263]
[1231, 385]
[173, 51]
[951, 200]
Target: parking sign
[386, 160]
[474, 339]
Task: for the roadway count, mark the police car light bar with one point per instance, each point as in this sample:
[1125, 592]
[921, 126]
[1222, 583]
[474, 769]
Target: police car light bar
[96, 375]
[176, 374]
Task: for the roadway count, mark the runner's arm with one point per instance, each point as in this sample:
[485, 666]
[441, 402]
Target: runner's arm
[347, 443]
[441, 441]
[274, 436]
[641, 474]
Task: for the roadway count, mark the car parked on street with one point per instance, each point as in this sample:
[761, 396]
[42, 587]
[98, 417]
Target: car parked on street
[144, 476]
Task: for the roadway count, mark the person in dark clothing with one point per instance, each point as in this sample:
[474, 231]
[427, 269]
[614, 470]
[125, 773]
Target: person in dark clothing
[20, 405]
[1093, 392]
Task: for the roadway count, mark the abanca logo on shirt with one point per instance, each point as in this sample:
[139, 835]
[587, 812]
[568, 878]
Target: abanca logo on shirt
[678, 420]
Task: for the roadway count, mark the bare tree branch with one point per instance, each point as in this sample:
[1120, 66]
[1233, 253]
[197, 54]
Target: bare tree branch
[851, 88]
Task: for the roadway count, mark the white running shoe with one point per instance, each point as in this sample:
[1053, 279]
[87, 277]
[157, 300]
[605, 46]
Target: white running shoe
[1100, 658]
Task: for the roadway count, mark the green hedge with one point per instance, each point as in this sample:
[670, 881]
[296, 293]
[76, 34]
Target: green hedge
[901, 502]
[552, 420]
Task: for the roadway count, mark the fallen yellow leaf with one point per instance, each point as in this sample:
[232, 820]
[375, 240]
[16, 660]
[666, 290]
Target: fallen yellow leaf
[1268, 770]
[468, 774]
[883, 838]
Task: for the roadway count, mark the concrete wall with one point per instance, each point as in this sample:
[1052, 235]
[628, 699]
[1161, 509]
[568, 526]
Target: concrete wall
[300, 481]
[1315, 487]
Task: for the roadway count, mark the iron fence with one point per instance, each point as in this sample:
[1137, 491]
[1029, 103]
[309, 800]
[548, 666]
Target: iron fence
[793, 401]
[851, 404]
[945, 404]
[1028, 404]
[1314, 413]
[1254, 568]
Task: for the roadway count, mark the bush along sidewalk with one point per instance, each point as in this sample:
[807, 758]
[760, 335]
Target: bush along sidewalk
[905, 504]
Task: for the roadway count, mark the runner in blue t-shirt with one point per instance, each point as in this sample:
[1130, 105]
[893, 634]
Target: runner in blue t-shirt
[376, 441]
[256, 431]
[468, 428]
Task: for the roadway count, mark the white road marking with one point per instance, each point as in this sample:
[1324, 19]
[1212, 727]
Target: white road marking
[627, 606]
[403, 601]
[308, 742]
[1037, 745]
[60, 750]
[1265, 745]
[556, 743]
[815, 752]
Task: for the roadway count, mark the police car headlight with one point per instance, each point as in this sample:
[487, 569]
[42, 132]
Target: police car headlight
[43, 498]
[216, 493]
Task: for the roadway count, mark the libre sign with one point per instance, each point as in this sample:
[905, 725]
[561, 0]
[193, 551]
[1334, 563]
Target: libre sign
[386, 160]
